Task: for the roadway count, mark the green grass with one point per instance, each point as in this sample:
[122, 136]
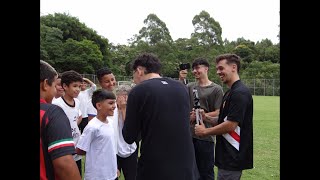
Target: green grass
[266, 140]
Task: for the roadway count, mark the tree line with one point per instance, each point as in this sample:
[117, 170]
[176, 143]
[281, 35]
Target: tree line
[67, 44]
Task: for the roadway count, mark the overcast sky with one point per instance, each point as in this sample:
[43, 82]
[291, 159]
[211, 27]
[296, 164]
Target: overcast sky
[119, 20]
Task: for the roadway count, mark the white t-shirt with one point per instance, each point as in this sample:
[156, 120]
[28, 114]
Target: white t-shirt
[124, 149]
[91, 110]
[73, 114]
[101, 160]
[112, 119]
[53, 100]
[84, 97]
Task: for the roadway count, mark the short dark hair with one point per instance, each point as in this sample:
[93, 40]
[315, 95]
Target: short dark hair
[47, 72]
[59, 76]
[231, 59]
[101, 95]
[69, 77]
[103, 71]
[148, 60]
[200, 61]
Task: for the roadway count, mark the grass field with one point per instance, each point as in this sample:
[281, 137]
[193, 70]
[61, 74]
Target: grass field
[266, 140]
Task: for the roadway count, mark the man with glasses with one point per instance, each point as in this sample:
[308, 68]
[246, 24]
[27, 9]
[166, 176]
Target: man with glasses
[158, 109]
[210, 98]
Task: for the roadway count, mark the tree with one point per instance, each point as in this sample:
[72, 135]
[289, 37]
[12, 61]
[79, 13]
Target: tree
[272, 54]
[83, 57]
[50, 44]
[72, 28]
[207, 31]
[154, 31]
[266, 51]
[121, 55]
[261, 70]
[244, 52]
[228, 46]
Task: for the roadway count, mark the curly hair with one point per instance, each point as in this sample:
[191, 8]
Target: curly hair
[148, 60]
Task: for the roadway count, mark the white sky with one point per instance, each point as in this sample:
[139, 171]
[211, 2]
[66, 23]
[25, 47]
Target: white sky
[119, 20]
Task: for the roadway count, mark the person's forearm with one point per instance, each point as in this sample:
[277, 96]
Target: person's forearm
[222, 128]
[213, 113]
[65, 168]
[123, 113]
[212, 120]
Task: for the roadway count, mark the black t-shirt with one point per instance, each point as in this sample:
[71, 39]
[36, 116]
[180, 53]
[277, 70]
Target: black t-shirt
[159, 108]
[234, 150]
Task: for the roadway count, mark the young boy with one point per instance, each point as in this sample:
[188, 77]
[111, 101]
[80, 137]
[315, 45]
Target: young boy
[85, 99]
[108, 82]
[56, 145]
[97, 140]
[71, 82]
[59, 88]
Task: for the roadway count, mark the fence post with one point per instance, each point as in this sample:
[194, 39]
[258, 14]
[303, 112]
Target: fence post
[254, 86]
[273, 87]
[264, 88]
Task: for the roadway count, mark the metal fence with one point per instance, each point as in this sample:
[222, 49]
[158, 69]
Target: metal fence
[263, 87]
[259, 87]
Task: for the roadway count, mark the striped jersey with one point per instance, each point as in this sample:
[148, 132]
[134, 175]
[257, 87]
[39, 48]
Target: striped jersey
[55, 137]
[234, 150]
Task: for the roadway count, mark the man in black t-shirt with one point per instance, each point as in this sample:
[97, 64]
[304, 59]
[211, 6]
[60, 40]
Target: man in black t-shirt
[158, 109]
[234, 146]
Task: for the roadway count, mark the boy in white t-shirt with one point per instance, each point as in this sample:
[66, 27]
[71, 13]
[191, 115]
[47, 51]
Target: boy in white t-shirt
[97, 139]
[85, 100]
[71, 81]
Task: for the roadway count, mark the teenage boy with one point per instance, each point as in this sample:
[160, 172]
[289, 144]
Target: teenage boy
[210, 98]
[56, 144]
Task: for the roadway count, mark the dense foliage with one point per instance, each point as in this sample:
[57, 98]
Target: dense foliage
[67, 44]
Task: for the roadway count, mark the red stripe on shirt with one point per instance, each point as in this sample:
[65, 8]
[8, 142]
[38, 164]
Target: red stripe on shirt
[235, 136]
[62, 145]
[43, 172]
